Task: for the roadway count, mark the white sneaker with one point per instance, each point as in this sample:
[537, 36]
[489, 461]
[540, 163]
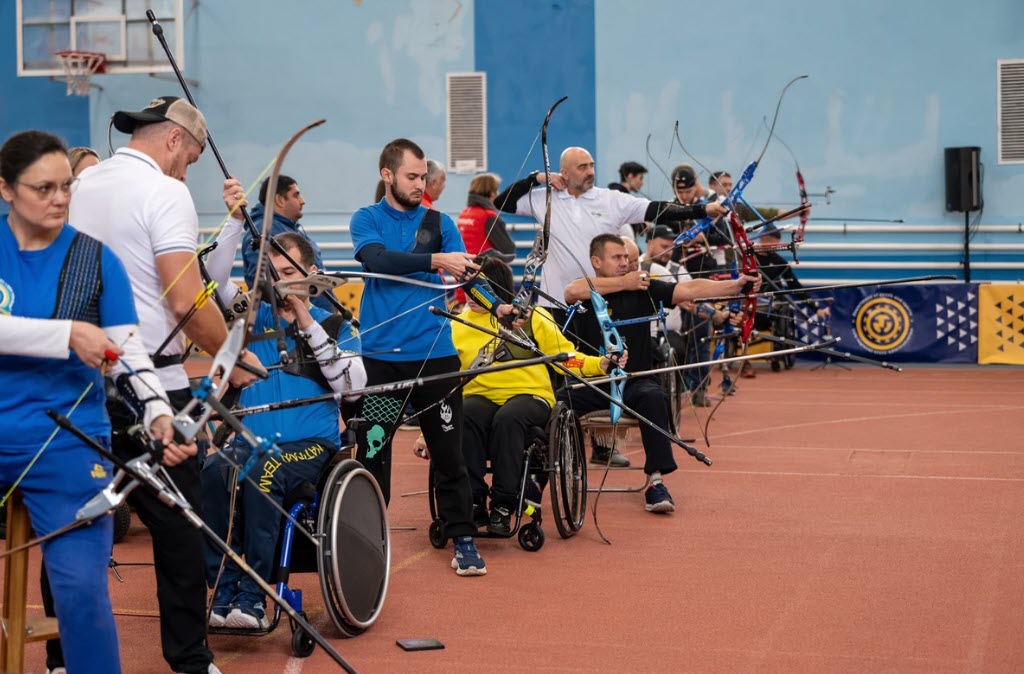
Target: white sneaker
[252, 619]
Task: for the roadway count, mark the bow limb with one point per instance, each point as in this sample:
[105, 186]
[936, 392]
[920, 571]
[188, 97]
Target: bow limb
[527, 294]
[805, 214]
[747, 304]
[227, 356]
[268, 219]
[206, 396]
[246, 217]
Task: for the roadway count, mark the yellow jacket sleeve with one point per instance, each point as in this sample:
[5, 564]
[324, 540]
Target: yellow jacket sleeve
[550, 340]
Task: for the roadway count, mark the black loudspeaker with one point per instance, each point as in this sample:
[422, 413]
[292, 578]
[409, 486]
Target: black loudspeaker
[963, 179]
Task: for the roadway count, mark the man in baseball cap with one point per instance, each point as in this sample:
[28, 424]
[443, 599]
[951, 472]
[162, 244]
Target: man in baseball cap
[137, 203]
[684, 177]
[165, 109]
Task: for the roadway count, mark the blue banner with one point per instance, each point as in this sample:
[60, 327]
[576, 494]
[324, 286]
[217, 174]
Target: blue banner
[906, 323]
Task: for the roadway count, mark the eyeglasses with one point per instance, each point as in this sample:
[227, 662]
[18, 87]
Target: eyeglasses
[46, 190]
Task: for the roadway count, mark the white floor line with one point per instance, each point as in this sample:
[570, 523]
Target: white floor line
[822, 422]
[950, 478]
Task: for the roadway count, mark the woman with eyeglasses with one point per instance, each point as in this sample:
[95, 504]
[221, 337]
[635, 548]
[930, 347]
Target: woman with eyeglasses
[65, 303]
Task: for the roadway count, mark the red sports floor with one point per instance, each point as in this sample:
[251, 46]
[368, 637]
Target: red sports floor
[852, 521]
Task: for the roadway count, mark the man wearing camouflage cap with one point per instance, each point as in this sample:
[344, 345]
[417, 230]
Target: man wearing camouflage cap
[137, 203]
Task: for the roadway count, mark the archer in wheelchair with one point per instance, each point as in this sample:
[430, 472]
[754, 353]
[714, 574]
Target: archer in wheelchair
[512, 424]
[332, 502]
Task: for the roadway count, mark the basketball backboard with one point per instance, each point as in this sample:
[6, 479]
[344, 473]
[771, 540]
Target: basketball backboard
[117, 28]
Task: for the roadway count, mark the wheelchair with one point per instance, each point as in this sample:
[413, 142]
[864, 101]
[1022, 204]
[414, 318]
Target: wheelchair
[555, 456]
[346, 513]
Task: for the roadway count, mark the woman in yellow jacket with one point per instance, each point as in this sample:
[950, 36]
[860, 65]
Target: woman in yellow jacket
[499, 408]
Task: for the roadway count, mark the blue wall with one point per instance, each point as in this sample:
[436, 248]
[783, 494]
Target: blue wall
[375, 71]
[522, 48]
[35, 102]
[891, 84]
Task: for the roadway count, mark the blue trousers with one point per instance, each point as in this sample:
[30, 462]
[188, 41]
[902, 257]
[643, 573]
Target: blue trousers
[257, 523]
[66, 475]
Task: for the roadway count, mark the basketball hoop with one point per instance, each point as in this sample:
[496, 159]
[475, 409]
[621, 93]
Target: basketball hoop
[79, 66]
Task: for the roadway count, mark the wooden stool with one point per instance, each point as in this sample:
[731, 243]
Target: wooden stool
[598, 425]
[17, 629]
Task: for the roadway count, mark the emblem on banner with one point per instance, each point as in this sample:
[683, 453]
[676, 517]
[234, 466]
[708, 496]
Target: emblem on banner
[883, 323]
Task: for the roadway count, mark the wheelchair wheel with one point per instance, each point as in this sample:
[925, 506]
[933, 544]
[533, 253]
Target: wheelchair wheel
[302, 644]
[568, 467]
[354, 556]
[436, 533]
[531, 537]
[122, 521]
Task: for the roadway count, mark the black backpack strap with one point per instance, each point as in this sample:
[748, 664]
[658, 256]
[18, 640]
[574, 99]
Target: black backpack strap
[428, 236]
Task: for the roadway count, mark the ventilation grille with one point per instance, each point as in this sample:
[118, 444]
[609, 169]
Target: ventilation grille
[1011, 111]
[467, 122]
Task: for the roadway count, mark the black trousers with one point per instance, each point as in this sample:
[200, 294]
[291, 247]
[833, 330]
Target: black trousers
[499, 433]
[646, 396]
[441, 425]
[177, 553]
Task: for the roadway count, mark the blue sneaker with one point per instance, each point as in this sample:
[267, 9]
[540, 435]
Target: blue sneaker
[249, 612]
[467, 561]
[223, 602]
[658, 499]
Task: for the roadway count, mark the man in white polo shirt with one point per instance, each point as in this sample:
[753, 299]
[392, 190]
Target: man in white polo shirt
[579, 212]
[136, 202]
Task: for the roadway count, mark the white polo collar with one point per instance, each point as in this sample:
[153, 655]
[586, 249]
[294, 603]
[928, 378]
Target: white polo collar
[135, 154]
[589, 195]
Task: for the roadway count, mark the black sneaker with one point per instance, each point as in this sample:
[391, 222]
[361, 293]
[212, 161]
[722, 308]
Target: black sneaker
[658, 499]
[599, 455]
[501, 522]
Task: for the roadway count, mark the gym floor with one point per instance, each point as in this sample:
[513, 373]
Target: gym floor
[853, 520]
